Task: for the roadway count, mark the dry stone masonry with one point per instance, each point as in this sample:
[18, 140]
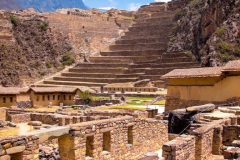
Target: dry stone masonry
[139, 54]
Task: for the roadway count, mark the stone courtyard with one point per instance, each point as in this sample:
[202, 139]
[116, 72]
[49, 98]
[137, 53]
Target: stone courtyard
[133, 100]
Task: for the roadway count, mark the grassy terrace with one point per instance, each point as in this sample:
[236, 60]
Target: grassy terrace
[139, 100]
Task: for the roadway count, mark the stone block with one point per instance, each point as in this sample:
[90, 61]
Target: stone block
[6, 157]
[14, 150]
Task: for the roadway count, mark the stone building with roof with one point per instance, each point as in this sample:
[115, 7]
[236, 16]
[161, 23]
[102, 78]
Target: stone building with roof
[197, 86]
[10, 96]
[43, 96]
[39, 96]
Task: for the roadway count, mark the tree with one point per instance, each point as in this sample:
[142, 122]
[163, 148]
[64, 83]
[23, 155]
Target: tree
[86, 96]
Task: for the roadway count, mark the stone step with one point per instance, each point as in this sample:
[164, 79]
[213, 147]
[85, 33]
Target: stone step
[160, 24]
[96, 70]
[146, 37]
[164, 19]
[149, 33]
[162, 41]
[134, 59]
[152, 35]
[158, 71]
[151, 77]
[92, 75]
[134, 71]
[152, 27]
[146, 46]
[66, 83]
[95, 80]
[175, 59]
[165, 65]
[153, 8]
[162, 14]
[103, 60]
[102, 65]
[168, 56]
[128, 75]
[132, 54]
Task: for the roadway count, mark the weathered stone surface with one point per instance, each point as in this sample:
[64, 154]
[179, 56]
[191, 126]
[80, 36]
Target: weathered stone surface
[6, 157]
[14, 150]
[35, 123]
[202, 108]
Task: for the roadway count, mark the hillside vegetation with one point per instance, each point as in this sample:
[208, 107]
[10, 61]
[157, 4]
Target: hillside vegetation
[209, 30]
[35, 53]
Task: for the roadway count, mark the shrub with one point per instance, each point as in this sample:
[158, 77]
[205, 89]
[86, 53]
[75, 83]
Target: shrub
[178, 13]
[225, 47]
[43, 26]
[220, 31]
[70, 48]
[193, 3]
[226, 57]
[86, 96]
[48, 64]
[14, 20]
[67, 59]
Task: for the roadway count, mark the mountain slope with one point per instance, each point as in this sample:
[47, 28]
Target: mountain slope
[209, 30]
[51, 5]
[10, 5]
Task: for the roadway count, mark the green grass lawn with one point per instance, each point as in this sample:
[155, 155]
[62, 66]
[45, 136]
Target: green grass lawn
[140, 98]
[160, 102]
[127, 107]
[129, 99]
[95, 98]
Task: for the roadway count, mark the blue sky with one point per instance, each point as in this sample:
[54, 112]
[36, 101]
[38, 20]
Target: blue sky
[119, 4]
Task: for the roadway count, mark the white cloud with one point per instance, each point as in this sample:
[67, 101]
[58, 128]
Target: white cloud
[106, 8]
[134, 6]
[112, 2]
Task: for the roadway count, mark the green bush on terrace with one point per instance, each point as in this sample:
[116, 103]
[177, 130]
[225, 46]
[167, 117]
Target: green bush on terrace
[14, 20]
[67, 59]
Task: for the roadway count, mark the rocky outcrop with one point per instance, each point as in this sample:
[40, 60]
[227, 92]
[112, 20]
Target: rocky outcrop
[29, 49]
[208, 30]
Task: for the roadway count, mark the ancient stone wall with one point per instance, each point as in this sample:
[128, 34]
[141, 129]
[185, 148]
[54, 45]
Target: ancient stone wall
[100, 102]
[135, 114]
[19, 147]
[124, 138]
[128, 95]
[230, 133]
[176, 103]
[24, 104]
[19, 118]
[181, 148]
[207, 138]
[3, 114]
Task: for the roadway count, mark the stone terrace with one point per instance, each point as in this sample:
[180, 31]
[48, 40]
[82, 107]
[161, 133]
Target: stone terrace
[139, 54]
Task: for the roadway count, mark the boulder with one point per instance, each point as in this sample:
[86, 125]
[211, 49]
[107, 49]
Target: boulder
[11, 124]
[2, 124]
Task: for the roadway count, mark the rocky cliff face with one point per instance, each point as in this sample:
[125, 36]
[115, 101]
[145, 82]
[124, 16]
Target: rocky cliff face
[10, 5]
[51, 5]
[33, 45]
[29, 50]
[209, 30]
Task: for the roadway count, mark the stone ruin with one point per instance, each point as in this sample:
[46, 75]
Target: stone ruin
[141, 53]
[199, 132]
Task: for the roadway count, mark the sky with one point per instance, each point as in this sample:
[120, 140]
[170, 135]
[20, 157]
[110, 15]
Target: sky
[131, 5]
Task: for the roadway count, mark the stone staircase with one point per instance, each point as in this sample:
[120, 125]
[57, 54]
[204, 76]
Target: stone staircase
[139, 54]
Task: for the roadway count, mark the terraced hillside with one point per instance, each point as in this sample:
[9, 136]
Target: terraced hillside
[139, 54]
